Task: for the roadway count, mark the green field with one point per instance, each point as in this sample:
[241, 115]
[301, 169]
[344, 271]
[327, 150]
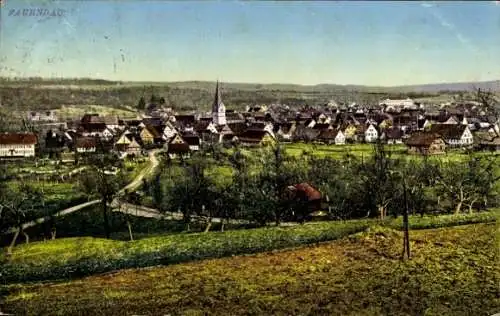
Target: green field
[74, 257]
[453, 271]
[79, 110]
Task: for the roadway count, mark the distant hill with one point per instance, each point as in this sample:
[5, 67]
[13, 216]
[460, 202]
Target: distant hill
[40, 93]
[209, 85]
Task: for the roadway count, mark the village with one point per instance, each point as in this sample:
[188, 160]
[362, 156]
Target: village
[395, 122]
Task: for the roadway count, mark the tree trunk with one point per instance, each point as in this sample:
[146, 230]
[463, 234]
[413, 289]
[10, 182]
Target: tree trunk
[105, 217]
[13, 242]
[458, 208]
[53, 234]
[130, 230]
[381, 211]
[222, 225]
[209, 224]
[26, 237]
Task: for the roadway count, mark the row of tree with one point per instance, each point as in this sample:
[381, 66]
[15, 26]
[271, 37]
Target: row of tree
[352, 187]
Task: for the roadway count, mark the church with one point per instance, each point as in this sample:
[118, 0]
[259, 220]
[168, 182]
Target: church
[218, 108]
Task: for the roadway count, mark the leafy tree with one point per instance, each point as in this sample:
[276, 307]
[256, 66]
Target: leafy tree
[467, 185]
[16, 205]
[378, 178]
[274, 181]
[154, 99]
[104, 180]
[141, 105]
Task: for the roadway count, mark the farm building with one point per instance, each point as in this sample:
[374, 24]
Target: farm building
[18, 144]
[426, 144]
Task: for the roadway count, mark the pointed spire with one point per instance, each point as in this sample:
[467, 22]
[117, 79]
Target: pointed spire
[217, 98]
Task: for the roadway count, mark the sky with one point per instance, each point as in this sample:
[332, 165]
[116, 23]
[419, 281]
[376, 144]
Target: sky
[366, 43]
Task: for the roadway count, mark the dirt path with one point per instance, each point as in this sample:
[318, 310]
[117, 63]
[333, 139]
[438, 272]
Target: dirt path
[132, 186]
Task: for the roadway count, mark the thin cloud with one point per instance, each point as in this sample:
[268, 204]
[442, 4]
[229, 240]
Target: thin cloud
[444, 23]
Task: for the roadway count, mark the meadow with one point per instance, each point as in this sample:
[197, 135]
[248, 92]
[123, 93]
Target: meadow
[77, 257]
[453, 271]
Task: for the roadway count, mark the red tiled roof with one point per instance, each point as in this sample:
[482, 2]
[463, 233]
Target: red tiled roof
[310, 192]
[18, 138]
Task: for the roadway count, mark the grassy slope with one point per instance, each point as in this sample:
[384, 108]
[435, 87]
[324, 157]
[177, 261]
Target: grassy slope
[453, 272]
[76, 257]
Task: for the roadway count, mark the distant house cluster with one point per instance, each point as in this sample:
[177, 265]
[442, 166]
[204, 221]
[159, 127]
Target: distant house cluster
[391, 121]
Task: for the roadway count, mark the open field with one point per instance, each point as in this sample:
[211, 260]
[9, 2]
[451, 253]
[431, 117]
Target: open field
[453, 271]
[76, 257]
[72, 111]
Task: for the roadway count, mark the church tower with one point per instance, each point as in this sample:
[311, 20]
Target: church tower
[218, 108]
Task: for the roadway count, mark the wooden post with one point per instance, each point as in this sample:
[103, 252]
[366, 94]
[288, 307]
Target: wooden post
[406, 240]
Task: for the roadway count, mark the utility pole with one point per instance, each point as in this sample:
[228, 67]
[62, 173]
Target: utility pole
[406, 240]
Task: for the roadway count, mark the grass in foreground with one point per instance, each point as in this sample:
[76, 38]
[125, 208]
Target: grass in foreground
[453, 271]
[76, 257]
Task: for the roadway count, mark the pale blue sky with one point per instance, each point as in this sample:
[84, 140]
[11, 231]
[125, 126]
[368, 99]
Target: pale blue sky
[379, 43]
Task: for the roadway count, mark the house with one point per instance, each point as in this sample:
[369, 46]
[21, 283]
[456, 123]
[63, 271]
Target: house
[92, 125]
[393, 136]
[305, 134]
[350, 132]
[42, 116]
[192, 140]
[285, 131]
[256, 137]
[128, 144]
[17, 144]
[306, 197]
[455, 135]
[177, 148]
[85, 145]
[56, 142]
[371, 134]
[169, 131]
[426, 143]
[331, 137]
[149, 134]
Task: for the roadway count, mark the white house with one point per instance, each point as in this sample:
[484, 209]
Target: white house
[17, 144]
[340, 138]
[371, 134]
[402, 103]
[169, 131]
[455, 135]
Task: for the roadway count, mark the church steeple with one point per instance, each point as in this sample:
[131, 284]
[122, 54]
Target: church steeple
[218, 108]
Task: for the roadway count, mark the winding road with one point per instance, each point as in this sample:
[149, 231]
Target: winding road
[132, 186]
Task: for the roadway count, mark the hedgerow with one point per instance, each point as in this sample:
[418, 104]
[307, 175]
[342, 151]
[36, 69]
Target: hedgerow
[77, 257]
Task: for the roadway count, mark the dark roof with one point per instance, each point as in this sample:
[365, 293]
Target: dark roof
[393, 133]
[153, 121]
[422, 139]
[238, 128]
[201, 126]
[186, 119]
[153, 130]
[453, 131]
[92, 119]
[18, 138]
[328, 134]
[252, 135]
[85, 142]
[305, 133]
[321, 126]
[178, 148]
[191, 138]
